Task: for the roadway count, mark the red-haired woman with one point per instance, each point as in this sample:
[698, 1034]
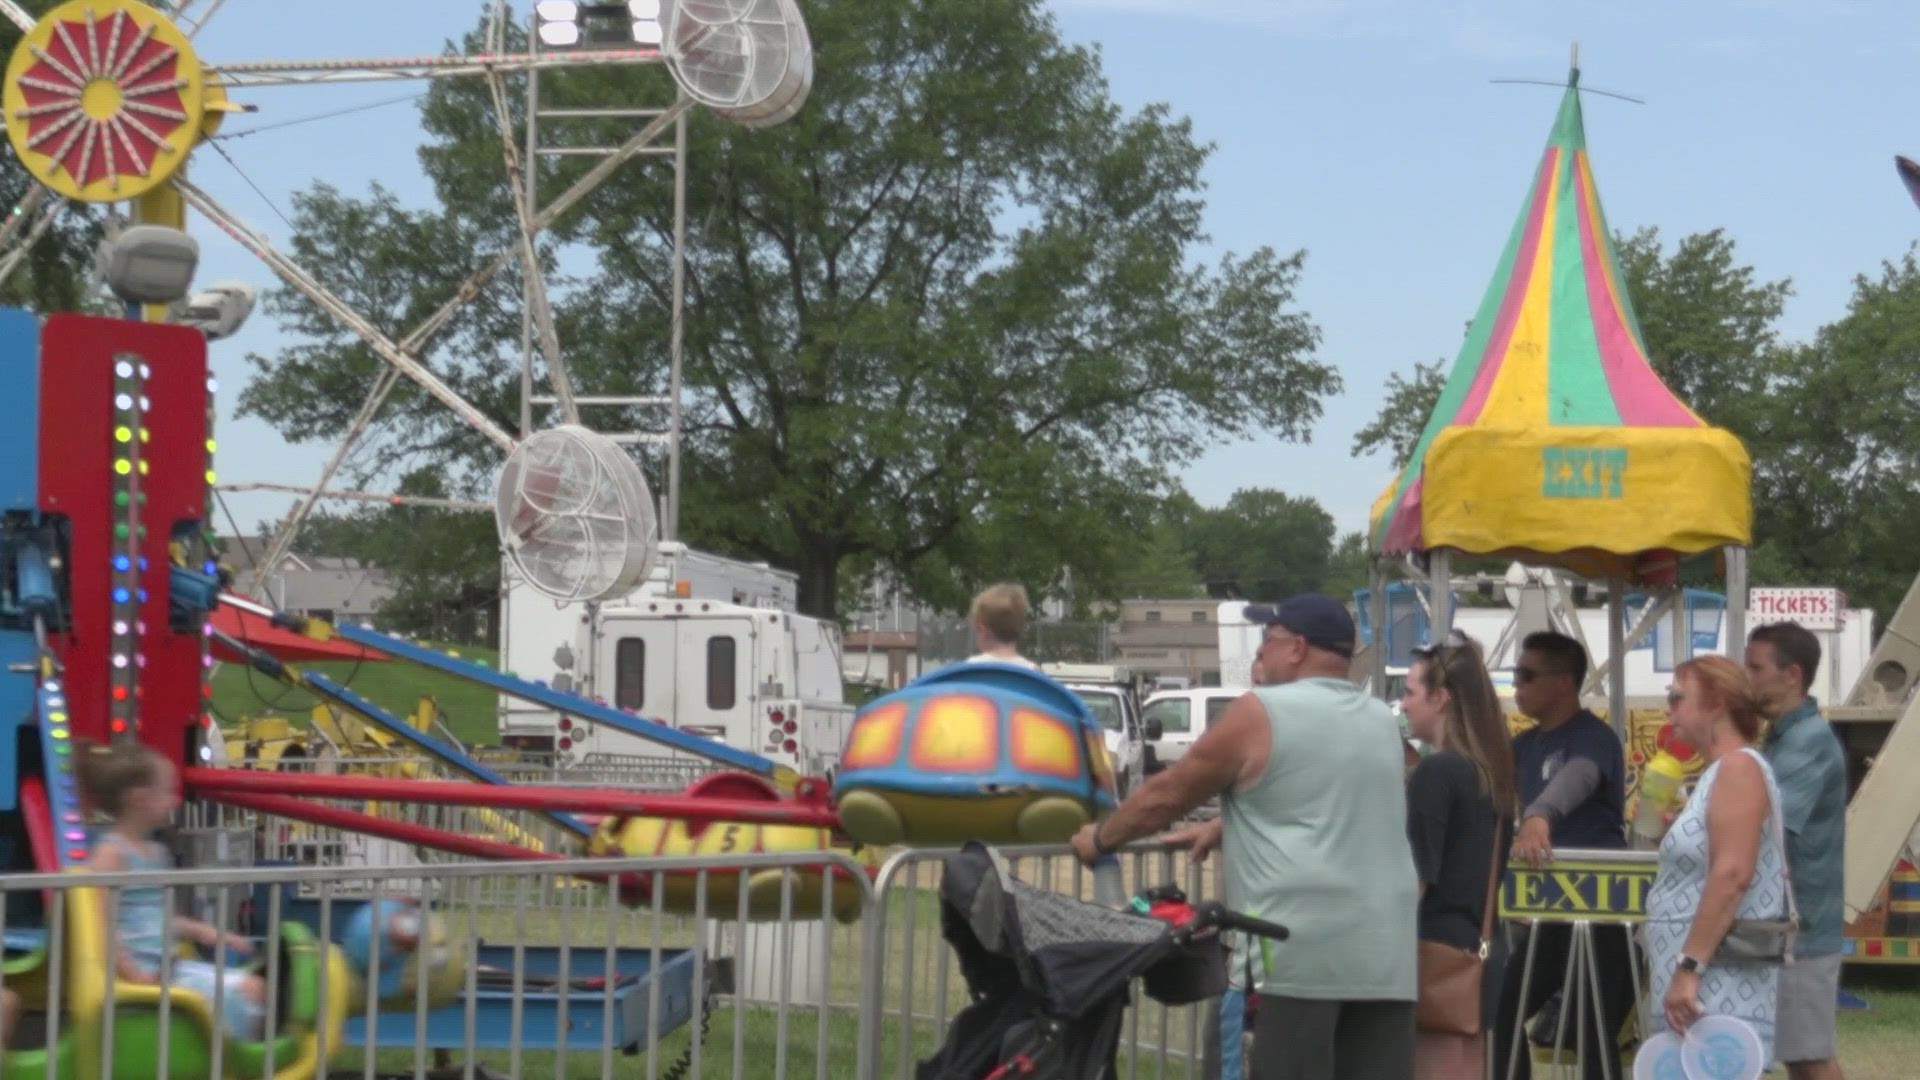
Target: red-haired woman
[1723, 858]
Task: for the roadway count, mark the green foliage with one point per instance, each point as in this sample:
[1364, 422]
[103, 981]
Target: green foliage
[946, 321]
[54, 275]
[1262, 545]
[444, 564]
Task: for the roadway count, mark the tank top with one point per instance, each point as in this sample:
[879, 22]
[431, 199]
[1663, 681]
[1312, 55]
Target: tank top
[142, 915]
[1319, 845]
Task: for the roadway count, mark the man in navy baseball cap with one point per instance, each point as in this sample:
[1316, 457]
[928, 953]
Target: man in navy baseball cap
[1311, 778]
[1320, 621]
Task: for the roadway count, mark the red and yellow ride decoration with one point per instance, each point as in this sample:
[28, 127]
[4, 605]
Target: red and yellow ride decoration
[1554, 440]
[105, 99]
[978, 751]
[804, 888]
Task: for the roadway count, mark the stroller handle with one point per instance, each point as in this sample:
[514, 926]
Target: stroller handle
[1213, 914]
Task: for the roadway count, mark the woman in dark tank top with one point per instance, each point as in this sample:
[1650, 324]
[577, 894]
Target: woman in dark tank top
[1456, 798]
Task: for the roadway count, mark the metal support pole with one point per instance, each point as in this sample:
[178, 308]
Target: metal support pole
[1736, 633]
[1616, 650]
[1377, 618]
[671, 530]
[1440, 573]
[532, 193]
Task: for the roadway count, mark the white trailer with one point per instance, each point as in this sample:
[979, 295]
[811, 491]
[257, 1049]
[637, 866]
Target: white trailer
[709, 645]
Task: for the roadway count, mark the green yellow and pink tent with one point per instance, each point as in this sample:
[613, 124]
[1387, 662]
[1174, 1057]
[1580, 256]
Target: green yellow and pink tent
[1554, 441]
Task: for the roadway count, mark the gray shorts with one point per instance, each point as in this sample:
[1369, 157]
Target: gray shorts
[1804, 1018]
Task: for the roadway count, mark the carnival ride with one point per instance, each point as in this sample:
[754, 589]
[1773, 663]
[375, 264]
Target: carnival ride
[113, 605]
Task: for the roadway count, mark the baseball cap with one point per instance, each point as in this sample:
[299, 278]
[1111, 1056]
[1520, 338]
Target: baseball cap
[1321, 620]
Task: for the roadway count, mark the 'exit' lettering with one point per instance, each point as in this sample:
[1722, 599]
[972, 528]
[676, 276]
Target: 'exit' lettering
[1583, 473]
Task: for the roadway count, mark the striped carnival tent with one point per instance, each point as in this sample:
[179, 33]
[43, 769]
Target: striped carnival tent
[1554, 441]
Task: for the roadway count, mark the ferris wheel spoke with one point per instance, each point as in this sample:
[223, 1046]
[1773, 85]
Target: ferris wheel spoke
[18, 253]
[383, 385]
[18, 16]
[360, 496]
[293, 274]
[305, 72]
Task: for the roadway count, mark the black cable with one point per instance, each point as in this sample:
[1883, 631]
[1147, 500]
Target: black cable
[316, 117]
[264, 197]
[678, 1070]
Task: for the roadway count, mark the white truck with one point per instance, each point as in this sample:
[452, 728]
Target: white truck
[1112, 694]
[709, 645]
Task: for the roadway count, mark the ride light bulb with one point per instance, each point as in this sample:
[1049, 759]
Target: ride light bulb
[566, 743]
[777, 717]
[790, 727]
[566, 723]
[790, 746]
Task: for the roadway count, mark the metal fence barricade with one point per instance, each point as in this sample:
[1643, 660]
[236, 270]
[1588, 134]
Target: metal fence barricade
[1568, 903]
[566, 981]
[913, 989]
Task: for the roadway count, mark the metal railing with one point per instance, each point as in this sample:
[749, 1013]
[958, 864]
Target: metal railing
[574, 981]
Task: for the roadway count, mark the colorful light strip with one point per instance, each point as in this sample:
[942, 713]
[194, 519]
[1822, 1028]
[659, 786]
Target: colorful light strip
[63, 793]
[209, 559]
[130, 436]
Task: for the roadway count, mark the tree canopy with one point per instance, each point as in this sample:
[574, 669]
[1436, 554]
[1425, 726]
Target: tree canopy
[950, 320]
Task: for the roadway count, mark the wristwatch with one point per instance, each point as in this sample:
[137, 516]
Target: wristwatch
[1688, 963]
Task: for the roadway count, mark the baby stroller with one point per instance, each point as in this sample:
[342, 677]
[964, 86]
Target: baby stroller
[1050, 975]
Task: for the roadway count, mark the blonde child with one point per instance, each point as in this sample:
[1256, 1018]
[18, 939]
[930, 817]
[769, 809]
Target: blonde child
[134, 785]
[999, 618]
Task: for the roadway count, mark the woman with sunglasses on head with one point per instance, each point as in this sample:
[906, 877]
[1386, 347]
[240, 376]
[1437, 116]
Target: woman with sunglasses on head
[1723, 858]
[1460, 805]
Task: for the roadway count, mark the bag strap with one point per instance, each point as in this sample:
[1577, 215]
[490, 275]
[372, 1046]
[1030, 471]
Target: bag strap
[1493, 886]
[1777, 817]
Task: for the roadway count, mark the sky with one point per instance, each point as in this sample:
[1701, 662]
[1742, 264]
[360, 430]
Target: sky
[1367, 133]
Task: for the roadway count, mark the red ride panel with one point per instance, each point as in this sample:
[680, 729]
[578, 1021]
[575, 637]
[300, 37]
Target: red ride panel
[77, 451]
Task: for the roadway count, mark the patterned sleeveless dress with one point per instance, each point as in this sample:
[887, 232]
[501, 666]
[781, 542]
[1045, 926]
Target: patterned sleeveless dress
[1745, 991]
[141, 927]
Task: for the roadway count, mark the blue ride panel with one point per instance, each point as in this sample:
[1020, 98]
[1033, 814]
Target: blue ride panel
[19, 410]
[16, 708]
[599, 1005]
[19, 491]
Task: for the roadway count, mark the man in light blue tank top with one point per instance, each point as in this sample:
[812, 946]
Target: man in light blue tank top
[1312, 780]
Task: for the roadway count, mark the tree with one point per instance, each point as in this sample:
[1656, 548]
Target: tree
[54, 275]
[444, 564]
[1837, 469]
[1262, 545]
[944, 321]
[1402, 418]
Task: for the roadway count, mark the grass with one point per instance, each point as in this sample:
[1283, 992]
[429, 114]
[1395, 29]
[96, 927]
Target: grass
[1882, 1043]
[470, 711]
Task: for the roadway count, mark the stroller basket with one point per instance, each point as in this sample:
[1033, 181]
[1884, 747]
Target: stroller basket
[1050, 975]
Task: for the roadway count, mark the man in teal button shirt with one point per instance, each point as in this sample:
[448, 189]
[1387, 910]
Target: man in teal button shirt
[1812, 772]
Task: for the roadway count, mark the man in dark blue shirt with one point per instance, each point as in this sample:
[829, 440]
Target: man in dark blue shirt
[1571, 772]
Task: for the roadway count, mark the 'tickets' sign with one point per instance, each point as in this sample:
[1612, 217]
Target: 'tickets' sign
[1815, 609]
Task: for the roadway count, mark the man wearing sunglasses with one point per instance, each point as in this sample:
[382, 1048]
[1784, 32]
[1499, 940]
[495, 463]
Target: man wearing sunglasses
[1571, 772]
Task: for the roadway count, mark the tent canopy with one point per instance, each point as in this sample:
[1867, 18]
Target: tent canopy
[1553, 440]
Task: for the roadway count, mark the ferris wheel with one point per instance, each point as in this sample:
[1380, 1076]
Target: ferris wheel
[105, 101]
